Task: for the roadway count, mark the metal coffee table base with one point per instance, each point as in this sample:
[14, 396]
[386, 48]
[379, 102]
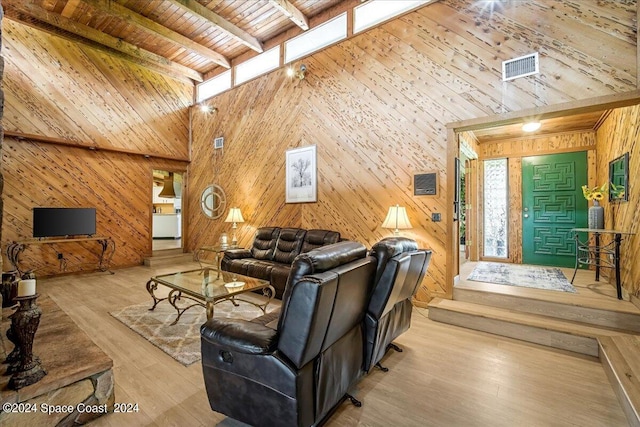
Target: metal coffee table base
[176, 296]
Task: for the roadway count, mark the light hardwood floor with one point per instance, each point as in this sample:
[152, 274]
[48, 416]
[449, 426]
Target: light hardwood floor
[446, 376]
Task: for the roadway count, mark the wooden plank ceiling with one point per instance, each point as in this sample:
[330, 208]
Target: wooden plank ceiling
[589, 121]
[185, 39]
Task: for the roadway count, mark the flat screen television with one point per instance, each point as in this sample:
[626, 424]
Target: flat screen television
[55, 222]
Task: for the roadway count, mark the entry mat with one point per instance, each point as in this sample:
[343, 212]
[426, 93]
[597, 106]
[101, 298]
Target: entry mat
[528, 276]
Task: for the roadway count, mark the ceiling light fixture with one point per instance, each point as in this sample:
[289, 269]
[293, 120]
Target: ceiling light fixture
[531, 126]
[299, 74]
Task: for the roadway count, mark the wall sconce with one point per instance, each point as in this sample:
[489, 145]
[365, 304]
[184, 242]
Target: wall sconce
[300, 73]
[207, 109]
[397, 219]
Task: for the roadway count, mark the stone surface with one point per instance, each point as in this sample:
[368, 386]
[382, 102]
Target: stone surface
[104, 384]
[70, 395]
[78, 371]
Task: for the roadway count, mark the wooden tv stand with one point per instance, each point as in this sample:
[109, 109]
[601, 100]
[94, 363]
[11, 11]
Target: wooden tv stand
[14, 249]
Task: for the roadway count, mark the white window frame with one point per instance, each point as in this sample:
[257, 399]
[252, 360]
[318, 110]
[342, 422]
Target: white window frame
[214, 86]
[258, 65]
[316, 38]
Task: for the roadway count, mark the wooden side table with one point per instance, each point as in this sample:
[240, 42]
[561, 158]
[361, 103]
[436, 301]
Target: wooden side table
[588, 254]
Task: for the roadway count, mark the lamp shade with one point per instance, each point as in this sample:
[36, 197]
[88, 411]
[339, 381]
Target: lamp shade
[234, 216]
[396, 219]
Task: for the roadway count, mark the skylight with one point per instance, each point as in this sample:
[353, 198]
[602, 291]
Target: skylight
[214, 86]
[376, 11]
[316, 38]
[261, 64]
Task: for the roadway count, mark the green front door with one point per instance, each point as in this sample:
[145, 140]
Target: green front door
[552, 204]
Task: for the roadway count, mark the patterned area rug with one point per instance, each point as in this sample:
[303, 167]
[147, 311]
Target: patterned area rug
[182, 340]
[527, 276]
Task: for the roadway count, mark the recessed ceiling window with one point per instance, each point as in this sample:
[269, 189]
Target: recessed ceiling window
[214, 86]
[374, 12]
[258, 65]
[316, 38]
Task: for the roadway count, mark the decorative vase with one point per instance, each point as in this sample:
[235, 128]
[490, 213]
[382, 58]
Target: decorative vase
[596, 216]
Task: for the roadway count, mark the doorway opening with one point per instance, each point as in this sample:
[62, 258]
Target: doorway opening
[166, 224]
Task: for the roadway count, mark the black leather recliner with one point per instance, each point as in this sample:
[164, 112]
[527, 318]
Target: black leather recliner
[400, 270]
[297, 374]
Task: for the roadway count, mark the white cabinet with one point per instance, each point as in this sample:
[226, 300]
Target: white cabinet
[167, 226]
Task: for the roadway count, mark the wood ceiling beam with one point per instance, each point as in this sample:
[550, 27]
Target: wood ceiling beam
[58, 25]
[193, 7]
[143, 23]
[69, 8]
[292, 12]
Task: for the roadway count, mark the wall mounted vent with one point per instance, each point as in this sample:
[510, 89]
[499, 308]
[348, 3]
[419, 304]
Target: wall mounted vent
[520, 67]
[218, 142]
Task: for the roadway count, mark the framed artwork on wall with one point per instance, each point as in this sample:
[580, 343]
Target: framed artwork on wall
[301, 180]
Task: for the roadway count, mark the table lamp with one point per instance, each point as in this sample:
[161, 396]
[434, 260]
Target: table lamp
[235, 216]
[397, 219]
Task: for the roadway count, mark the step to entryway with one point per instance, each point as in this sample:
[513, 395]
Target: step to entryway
[620, 357]
[168, 259]
[548, 331]
[616, 317]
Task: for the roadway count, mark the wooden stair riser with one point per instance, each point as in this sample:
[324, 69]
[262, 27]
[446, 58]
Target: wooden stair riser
[546, 337]
[623, 379]
[587, 315]
[168, 260]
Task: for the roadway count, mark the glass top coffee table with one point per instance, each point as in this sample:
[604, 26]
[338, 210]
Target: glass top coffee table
[205, 288]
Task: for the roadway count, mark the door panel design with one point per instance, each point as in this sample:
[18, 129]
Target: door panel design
[554, 208]
[552, 204]
[557, 177]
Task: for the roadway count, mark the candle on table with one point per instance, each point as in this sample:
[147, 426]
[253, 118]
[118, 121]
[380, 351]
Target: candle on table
[27, 287]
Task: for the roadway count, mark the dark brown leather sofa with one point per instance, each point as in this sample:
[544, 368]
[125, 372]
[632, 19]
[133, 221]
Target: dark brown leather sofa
[272, 252]
[296, 373]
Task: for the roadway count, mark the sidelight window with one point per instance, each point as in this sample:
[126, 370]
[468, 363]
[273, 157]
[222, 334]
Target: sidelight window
[496, 208]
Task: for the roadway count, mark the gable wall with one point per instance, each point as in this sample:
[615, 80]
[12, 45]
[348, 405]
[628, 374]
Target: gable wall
[377, 105]
[56, 89]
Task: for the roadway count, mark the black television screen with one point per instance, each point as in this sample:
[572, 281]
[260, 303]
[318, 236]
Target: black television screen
[52, 222]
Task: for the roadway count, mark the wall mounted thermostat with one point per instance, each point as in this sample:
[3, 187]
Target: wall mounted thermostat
[218, 142]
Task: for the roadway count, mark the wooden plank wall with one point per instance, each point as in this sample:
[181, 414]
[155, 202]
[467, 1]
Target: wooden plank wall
[620, 133]
[514, 150]
[57, 89]
[377, 106]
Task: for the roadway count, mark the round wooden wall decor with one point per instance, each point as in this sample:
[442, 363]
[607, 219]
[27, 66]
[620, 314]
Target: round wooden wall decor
[213, 201]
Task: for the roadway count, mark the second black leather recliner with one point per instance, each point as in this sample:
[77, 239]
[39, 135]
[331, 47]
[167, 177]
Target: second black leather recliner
[400, 270]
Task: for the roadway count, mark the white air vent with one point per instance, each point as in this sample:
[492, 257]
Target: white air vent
[218, 142]
[520, 67]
